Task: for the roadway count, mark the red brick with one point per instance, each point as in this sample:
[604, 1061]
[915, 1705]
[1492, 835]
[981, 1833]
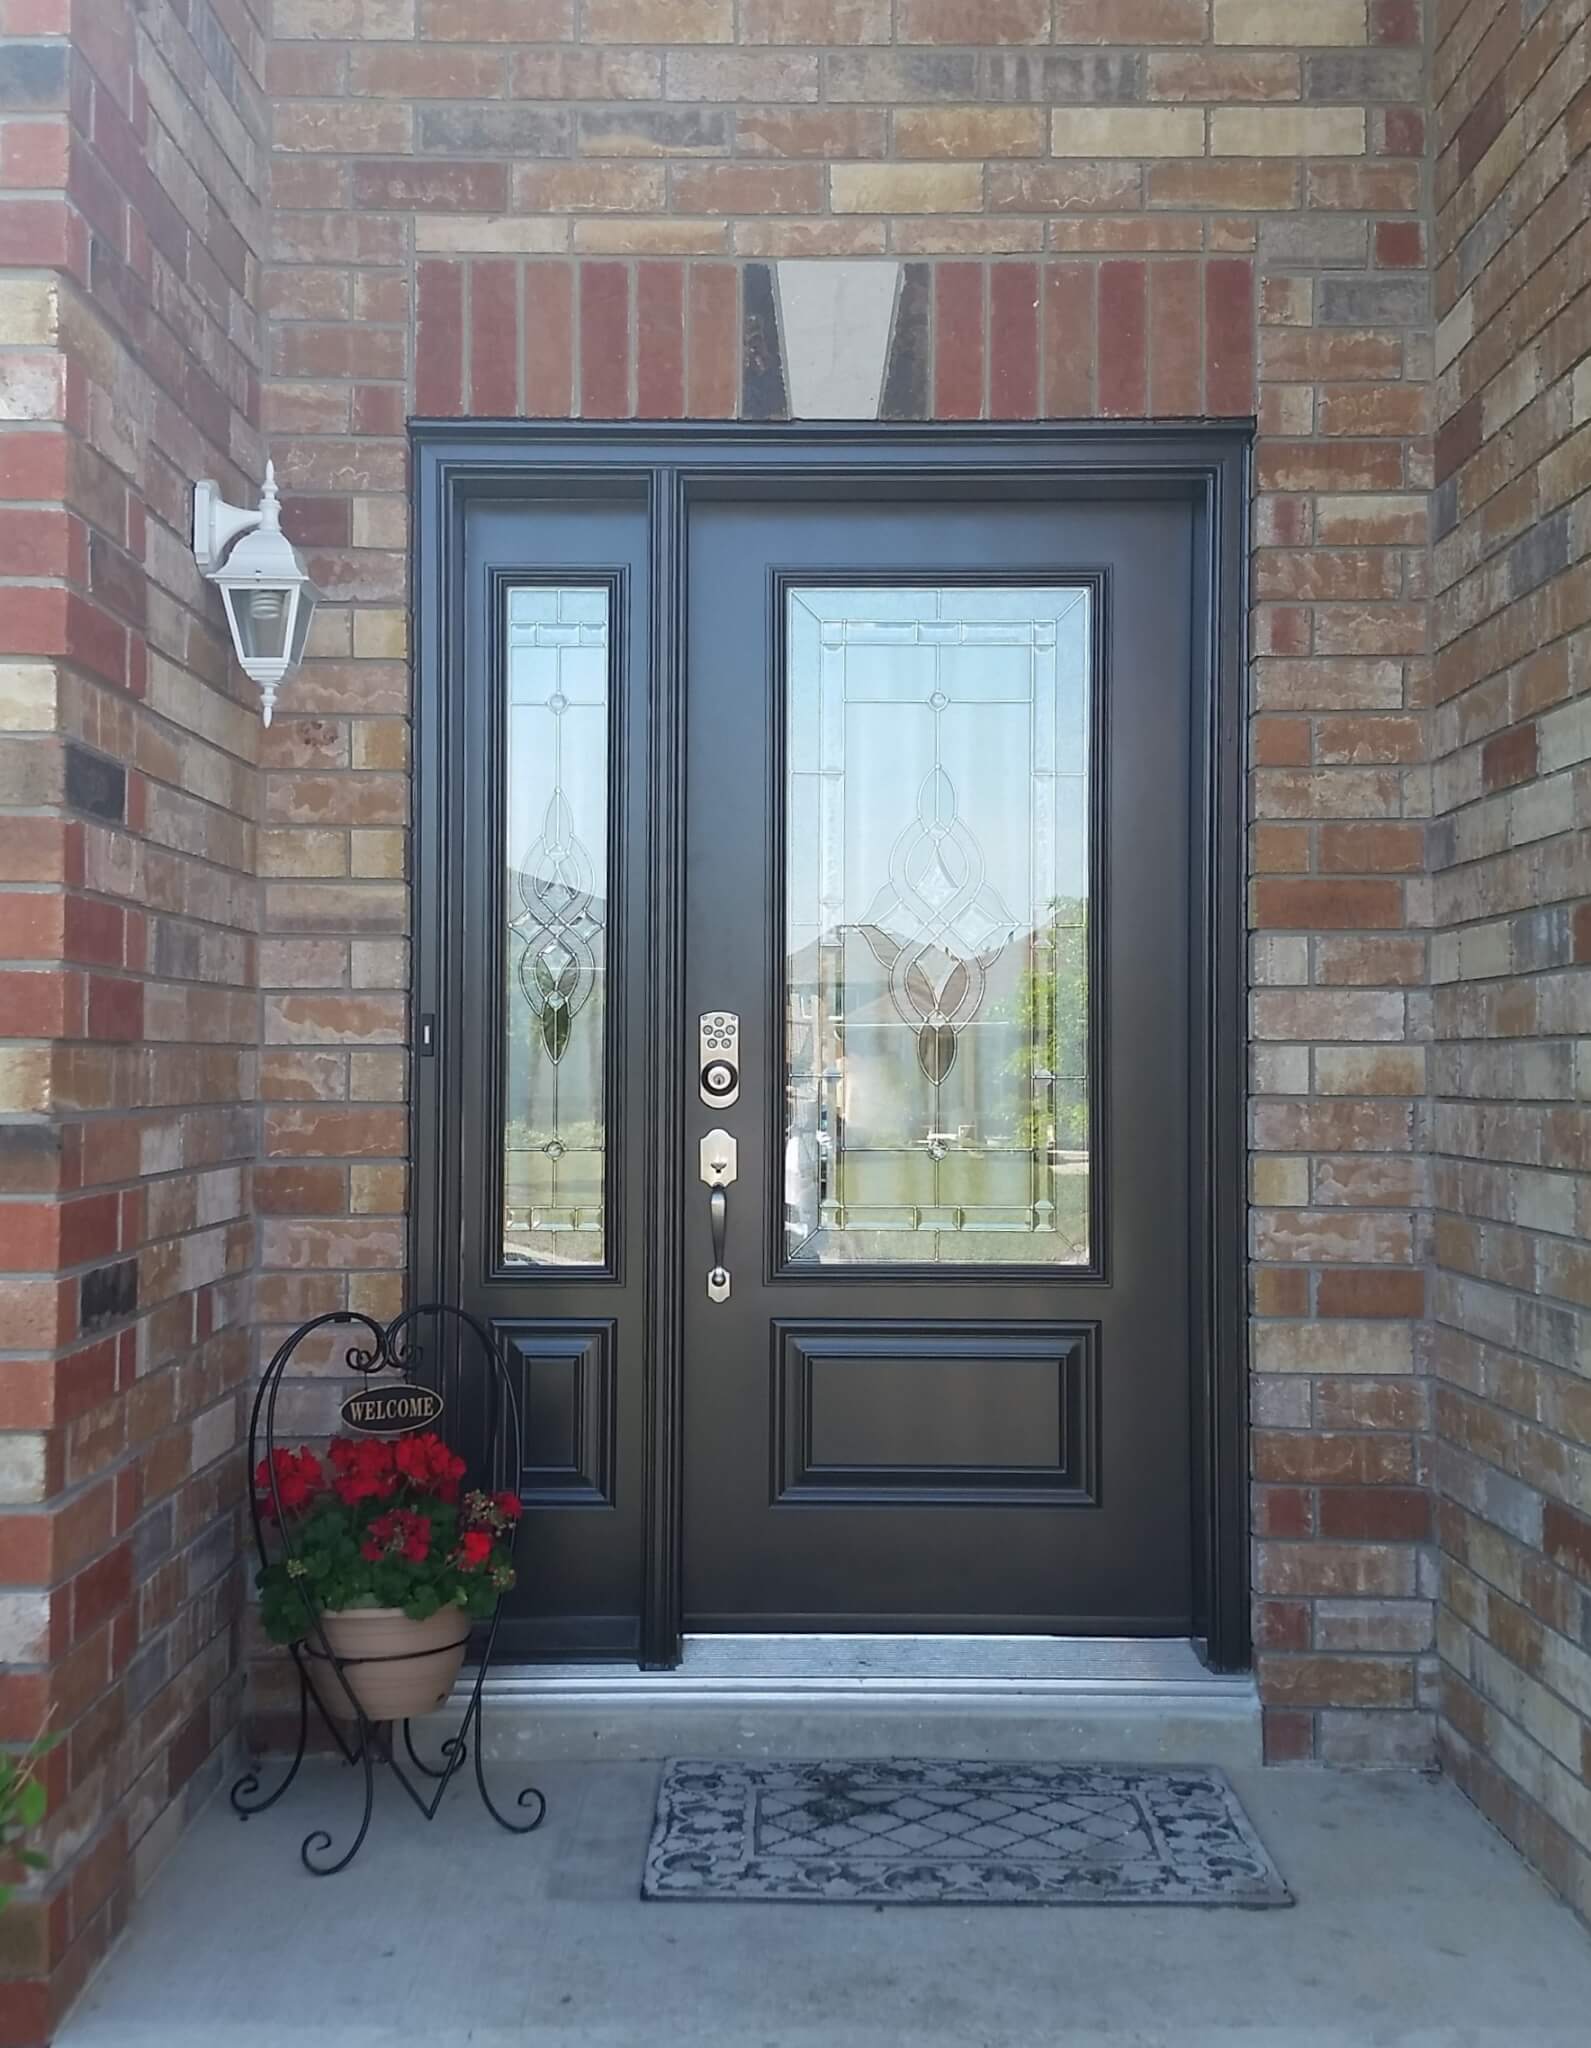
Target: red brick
[713, 311]
[972, 21]
[1328, 906]
[1069, 340]
[1013, 341]
[1394, 21]
[1288, 1735]
[1399, 244]
[430, 186]
[439, 339]
[1566, 1539]
[604, 340]
[1370, 1294]
[494, 338]
[1228, 336]
[549, 340]
[1122, 342]
[660, 340]
[1380, 1514]
[1130, 21]
[1509, 757]
[1175, 339]
[958, 341]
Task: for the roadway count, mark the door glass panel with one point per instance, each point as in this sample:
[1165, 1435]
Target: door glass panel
[555, 958]
[936, 925]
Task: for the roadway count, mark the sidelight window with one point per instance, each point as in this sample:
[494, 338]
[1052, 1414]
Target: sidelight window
[557, 900]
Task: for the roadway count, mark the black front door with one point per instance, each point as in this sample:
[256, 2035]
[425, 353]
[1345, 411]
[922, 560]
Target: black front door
[937, 871]
[813, 870]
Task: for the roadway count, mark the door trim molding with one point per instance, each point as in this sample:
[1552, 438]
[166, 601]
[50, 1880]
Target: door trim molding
[456, 461]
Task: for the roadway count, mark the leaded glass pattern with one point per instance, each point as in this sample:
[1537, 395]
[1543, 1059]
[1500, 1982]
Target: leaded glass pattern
[936, 925]
[555, 957]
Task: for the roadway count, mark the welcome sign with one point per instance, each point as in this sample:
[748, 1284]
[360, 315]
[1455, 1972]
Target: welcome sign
[392, 1411]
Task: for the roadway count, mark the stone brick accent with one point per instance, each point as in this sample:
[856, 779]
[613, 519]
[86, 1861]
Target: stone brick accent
[1511, 737]
[1092, 208]
[132, 160]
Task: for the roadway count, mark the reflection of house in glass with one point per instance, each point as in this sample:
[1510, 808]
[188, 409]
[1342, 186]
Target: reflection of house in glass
[972, 1139]
[556, 900]
[553, 1140]
[936, 910]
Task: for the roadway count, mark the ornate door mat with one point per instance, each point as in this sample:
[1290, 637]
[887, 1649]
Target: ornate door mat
[912, 1833]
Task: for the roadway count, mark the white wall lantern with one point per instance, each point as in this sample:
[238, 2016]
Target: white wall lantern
[263, 582]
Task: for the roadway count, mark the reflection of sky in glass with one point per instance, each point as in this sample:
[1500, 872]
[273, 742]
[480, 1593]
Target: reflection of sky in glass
[556, 830]
[937, 876]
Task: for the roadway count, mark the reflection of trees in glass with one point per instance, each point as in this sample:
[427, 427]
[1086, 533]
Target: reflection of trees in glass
[1050, 1009]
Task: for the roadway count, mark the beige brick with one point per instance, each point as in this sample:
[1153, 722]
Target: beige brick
[1128, 131]
[617, 235]
[381, 635]
[29, 311]
[1333, 1347]
[1281, 1183]
[1370, 1070]
[490, 234]
[24, 1079]
[345, 127]
[28, 691]
[1287, 23]
[906, 188]
[1287, 131]
[378, 854]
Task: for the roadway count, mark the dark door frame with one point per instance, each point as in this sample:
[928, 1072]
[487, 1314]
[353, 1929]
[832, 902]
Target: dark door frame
[664, 466]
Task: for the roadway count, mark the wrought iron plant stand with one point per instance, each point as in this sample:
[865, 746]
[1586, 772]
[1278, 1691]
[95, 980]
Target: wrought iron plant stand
[392, 1348]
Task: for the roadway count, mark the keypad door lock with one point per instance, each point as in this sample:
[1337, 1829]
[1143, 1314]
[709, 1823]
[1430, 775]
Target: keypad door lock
[718, 1064]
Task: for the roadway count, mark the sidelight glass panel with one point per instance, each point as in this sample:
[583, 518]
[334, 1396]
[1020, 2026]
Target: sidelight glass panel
[936, 926]
[555, 957]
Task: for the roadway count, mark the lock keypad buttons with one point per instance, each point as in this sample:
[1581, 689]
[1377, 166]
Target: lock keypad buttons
[718, 1063]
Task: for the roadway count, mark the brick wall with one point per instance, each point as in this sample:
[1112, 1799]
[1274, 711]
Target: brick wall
[1121, 208]
[1510, 1343]
[131, 173]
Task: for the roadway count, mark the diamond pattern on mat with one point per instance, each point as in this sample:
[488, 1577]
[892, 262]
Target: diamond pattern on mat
[826, 1821]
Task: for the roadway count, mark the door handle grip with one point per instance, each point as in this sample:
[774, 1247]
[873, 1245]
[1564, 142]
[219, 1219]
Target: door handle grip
[718, 1220]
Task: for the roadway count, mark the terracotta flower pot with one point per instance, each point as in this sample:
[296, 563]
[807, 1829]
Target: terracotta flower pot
[397, 1681]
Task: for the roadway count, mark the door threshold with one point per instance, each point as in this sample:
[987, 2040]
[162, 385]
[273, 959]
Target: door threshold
[1097, 1699]
[750, 1668]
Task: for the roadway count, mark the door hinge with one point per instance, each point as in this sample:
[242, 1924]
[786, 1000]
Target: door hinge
[428, 1035]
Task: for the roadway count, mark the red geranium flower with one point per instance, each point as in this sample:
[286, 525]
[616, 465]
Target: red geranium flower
[507, 1505]
[363, 1469]
[429, 1466]
[398, 1533]
[475, 1547]
[298, 1479]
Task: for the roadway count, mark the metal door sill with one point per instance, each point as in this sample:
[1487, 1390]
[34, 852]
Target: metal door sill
[725, 1670]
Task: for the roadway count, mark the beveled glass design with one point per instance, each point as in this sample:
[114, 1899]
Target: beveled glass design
[936, 925]
[556, 805]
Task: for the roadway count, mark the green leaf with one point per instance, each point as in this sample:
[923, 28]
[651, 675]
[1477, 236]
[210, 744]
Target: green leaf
[31, 1803]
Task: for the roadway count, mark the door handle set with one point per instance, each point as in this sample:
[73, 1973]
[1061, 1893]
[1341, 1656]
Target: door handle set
[718, 1082]
[719, 1165]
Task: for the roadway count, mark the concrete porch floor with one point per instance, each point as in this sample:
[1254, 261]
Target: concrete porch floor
[1415, 1923]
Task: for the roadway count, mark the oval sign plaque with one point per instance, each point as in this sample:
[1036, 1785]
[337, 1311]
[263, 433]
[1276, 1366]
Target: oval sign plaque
[392, 1411]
